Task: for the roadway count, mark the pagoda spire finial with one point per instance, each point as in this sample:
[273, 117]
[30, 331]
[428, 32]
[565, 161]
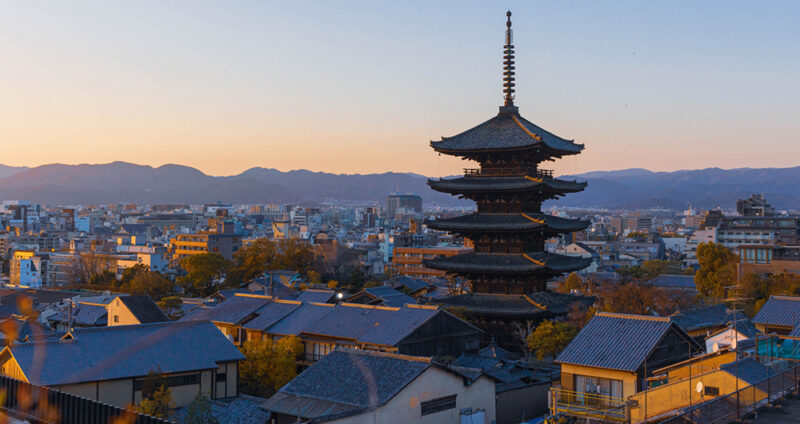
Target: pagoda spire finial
[508, 64]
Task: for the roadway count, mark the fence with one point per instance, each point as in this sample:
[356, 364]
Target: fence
[745, 401]
[43, 405]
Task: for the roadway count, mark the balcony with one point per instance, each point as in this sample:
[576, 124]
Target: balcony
[588, 405]
[508, 172]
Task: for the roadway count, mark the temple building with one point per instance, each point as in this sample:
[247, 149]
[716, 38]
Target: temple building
[509, 267]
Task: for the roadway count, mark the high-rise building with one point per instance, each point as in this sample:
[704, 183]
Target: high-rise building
[403, 204]
[509, 268]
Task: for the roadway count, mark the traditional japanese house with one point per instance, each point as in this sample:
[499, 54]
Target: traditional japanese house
[509, 264]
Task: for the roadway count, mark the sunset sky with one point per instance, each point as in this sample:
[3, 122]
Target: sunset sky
[361, 87]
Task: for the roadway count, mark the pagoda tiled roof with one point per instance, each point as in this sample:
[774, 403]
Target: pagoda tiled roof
[477, 222]
[517, 305]
[506, 131]
[509, 263]
[521, 183]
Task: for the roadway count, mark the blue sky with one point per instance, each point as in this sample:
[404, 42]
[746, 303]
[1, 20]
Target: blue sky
[363, 86]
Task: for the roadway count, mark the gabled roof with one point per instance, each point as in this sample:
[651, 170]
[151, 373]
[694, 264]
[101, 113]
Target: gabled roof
[748, 370]
[231, 311]
[705, 317]
[779, 310]
[413, 284]
[315, 295]
[618, 341]
[144, 309]
[506, 131]
[673, 281]
[742, 325]
[363, 380]
[270, 313]
[125, 351]
[378, 325]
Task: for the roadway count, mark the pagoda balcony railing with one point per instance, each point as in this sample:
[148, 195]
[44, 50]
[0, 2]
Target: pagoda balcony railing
[508, 172]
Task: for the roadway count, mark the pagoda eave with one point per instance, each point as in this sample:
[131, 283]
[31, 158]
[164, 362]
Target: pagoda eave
[513, 222]
[539, 263]
[466, 185]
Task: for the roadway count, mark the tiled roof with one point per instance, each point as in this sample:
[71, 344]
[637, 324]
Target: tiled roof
[509, 263]
[144, 309]
[83, 315]
[674, 281]
[709, 316]
[414, 284]
[376, 325]
[389, 296]
[270, 313]
[125, 351]
[505, 131]
[497, 352]
[362, 380]
[300, 319]
[748, 370]
[507, 222]
[482, 184]
[231, 311]
[779, 310]
[616, 341]
[312, 295]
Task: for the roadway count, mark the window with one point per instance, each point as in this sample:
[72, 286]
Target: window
[437, 405]
[711, 391]
[116, 318]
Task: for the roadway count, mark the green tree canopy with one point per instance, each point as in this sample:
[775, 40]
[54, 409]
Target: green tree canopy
[105, 278]
[550, 338]
[201, 271]
[132, 272]
[717, 269]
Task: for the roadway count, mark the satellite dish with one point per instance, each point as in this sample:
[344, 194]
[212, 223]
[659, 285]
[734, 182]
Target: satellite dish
[715, 347]
[699, 387]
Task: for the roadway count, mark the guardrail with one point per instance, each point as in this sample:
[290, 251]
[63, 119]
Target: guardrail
[588, 405]
[741, 403]
[510, 172]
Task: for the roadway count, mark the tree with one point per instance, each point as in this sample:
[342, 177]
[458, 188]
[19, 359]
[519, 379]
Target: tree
[264, 255]
[572, 282]
[630, 298]
[717, 269]
[201, 272]
[105, 278]
[456, 285]
[132, 272]
[269, 365]
[199, 411]
[159, 404]
[171, 305]
[550, 338]
[150, 283]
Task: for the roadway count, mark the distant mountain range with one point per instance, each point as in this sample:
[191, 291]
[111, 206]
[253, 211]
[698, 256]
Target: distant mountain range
[629, 188]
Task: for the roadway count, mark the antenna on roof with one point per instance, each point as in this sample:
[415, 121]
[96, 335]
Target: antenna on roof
[508, 64]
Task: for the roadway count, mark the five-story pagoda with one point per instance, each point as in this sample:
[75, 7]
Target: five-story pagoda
[509, 266]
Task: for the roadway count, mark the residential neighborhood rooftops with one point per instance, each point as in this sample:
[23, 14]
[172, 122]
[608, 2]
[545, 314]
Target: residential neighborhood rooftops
[709, 316]
[106, 353]
[144, 309]
[783, 311]
[363, 380]
[617, 341]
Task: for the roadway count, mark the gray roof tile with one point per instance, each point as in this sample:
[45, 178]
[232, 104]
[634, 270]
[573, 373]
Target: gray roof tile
[125, 351]
[779, 310]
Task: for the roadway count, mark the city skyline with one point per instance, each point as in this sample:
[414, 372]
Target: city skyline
[224, 89]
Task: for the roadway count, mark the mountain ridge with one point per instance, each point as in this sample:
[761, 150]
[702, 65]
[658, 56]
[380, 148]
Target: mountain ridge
[625, 188]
